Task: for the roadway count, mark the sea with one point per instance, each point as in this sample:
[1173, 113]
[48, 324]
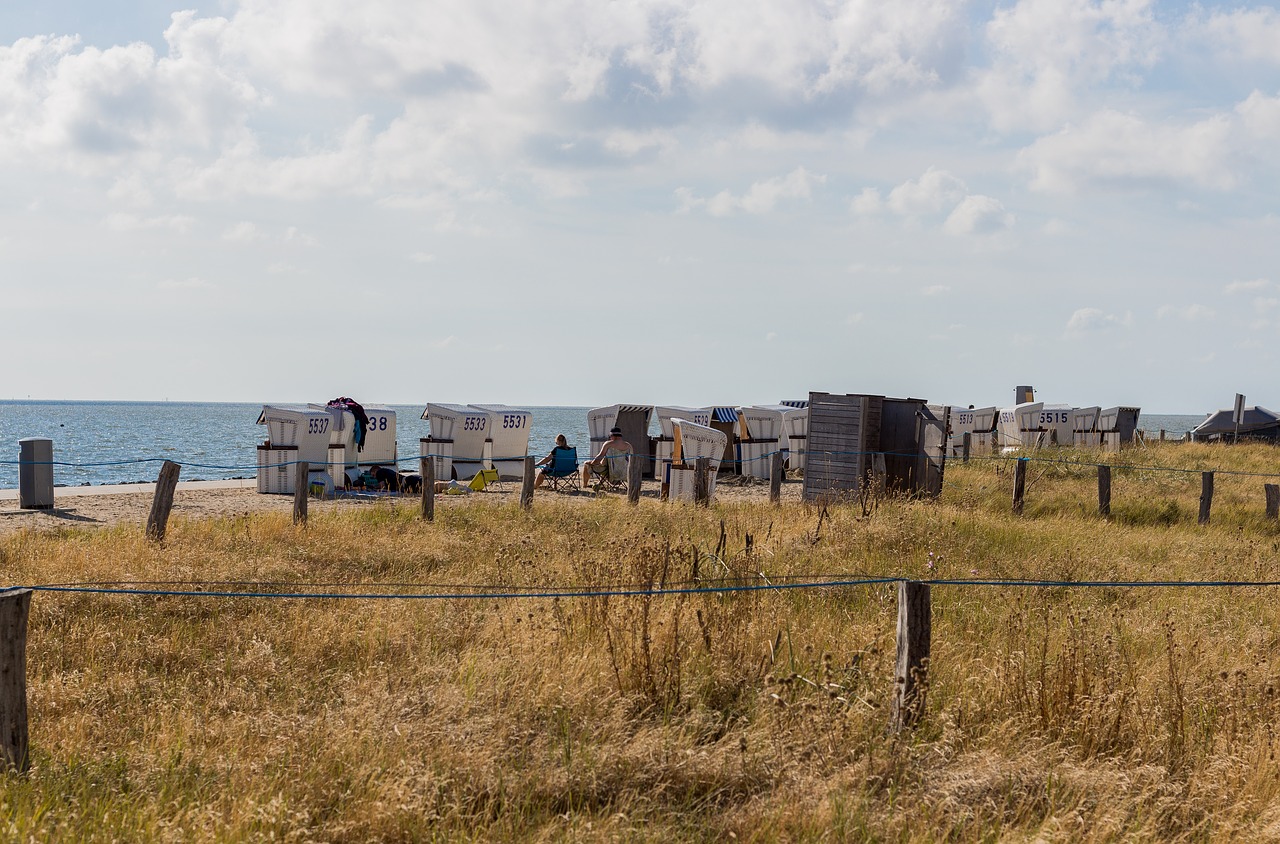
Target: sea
[96, 442]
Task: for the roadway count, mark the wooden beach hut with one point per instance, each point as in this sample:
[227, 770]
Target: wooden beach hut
[855, 439]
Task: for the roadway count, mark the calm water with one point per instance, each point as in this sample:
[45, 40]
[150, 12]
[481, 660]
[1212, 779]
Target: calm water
[211, 441]
[216, 441]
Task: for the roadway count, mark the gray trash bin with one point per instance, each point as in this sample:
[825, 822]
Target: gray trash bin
[35, 473]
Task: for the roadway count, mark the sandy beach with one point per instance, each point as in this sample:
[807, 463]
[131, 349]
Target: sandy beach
[103, 506]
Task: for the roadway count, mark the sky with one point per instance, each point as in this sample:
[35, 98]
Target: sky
[641, 201]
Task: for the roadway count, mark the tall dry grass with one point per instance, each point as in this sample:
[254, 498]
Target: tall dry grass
[1052, 714]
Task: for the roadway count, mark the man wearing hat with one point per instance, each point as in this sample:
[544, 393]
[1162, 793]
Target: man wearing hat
[611, 462]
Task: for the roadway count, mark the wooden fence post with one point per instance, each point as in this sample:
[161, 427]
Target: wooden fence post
[526, 489]
[427, 468]
[1104, 490]
[968, 443]
[912, 672]
[1019, 485]
[775, 477]
[635, 468]
[1206, 496]
[702, 481]
[301, 491]
[162, 503]
[1273, 500]
[14, 608]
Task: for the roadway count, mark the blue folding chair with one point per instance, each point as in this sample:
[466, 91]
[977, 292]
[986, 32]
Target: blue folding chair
[562, 472]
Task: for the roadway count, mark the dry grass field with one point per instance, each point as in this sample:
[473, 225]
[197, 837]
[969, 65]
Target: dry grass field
[1053, 714]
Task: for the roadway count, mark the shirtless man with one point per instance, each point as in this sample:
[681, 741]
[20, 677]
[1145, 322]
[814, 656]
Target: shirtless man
[598, 464]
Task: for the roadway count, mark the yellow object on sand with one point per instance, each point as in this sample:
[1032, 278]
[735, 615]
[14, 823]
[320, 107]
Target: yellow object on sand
[483, 478]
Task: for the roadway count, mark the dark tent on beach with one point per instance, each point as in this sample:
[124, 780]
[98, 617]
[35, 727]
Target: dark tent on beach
[1258, 424]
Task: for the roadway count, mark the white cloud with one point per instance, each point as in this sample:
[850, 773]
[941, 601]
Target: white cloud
[123, 222]
[1187, 313]
[760, 198]
[853, 318]
[1247, 286]
[1241, 34]
[1111, 149]
[87, 108]
[422, 258]
[939, 192]
[1095, 319]
[866, 203]
[293, 235]
[978, 215]
[630, 144]
[243, 232]
[933, 192]
[935, 290]
[1048, 55]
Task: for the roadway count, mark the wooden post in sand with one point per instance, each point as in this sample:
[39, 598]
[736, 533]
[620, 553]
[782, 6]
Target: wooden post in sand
[634, 469]
[162, 503]
[526, 488]
[427, 468]
[910, 679]
[775, 477]
[14, 608]
[1272, 492]
[1206, 496]
[702, 482]
[300, 492]
[1019, 485]
[1104, 490]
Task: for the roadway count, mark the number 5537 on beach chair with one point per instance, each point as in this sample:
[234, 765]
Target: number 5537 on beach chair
[562, 473]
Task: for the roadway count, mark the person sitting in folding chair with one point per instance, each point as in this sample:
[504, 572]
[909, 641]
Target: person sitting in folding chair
[610, 465]
[559, 466]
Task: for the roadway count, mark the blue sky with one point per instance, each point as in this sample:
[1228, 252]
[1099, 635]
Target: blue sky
[680, 203]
